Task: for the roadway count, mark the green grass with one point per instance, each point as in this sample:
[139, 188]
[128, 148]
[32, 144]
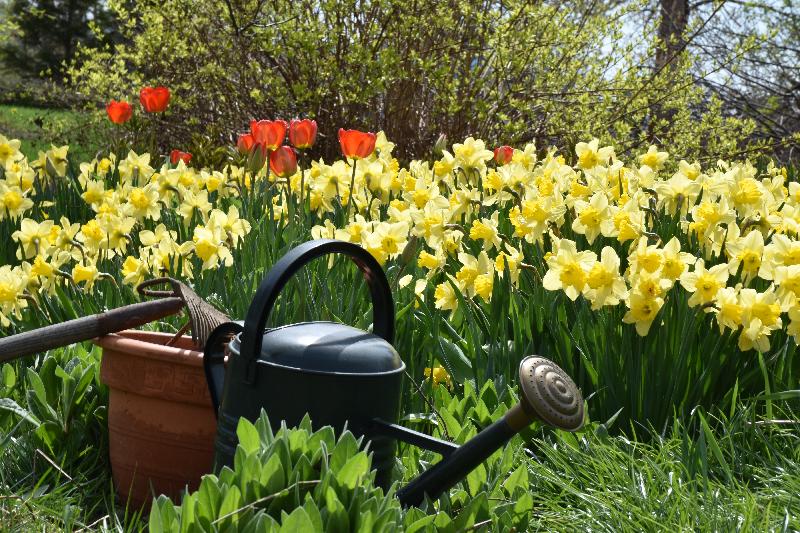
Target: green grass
[38, 128]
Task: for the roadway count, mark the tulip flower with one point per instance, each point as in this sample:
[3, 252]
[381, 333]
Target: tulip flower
[154, 99]
[503, 155]
[270, 133]
[356, 144]
[177, 155]
[119, 112]
[303, 133]
[283, 162]
[245, 143]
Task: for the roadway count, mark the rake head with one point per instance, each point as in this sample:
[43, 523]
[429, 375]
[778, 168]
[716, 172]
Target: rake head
[203, 317]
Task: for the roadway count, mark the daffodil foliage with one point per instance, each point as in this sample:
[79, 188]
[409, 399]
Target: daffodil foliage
[629, 274]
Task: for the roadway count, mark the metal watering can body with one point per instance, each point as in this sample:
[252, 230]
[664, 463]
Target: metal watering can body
[338, 374]
[342, 376]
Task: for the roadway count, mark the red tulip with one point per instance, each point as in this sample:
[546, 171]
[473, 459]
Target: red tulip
[119, 112]
[245, 143]
[270, 133]
[303, 133]
[177, 155]
[356, 144]
[503, 155]
[283, 162]
[154, 99]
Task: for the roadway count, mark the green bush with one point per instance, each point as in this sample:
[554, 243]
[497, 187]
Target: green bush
[547, 72]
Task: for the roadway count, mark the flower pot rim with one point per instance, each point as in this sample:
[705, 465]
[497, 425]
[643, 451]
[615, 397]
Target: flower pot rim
[134, 344]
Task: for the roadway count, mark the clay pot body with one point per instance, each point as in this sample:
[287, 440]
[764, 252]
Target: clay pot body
[161, 425]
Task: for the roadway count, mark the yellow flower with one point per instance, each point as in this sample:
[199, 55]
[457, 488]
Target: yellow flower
[727, 309]
[445, 295]
[704, 284]
[476, 274]
[647, 258]
[230, 224]
[653, 158]
[143, 202]
[590, 155]
[593, 217]
[604, 285]
[87, 274]
[210, 248]
[135, 169]
[642, 310]
[675, 262]
[744, 252]
[512, 260]
[438, 375]
[568, 269]
[12, 285]
[33, 238]
[472, 154]
[486, 230]
[133, 271]
[678, 193]
[56, 161]
[13, 202]
[9, 150]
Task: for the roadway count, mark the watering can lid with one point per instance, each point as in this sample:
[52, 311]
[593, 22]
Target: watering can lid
[326, 347]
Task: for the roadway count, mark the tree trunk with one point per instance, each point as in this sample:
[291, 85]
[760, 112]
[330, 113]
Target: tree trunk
[674, 17]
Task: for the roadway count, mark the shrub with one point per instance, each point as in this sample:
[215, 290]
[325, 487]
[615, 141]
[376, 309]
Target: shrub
[543, 72]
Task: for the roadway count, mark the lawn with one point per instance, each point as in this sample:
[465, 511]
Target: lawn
[39, 128]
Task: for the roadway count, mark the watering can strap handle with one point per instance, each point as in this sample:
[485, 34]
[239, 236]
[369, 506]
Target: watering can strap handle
[289, 264]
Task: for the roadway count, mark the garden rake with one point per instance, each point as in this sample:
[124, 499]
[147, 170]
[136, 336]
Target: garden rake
[203, 318]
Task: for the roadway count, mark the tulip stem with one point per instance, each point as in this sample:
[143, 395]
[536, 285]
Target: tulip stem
[350, 194]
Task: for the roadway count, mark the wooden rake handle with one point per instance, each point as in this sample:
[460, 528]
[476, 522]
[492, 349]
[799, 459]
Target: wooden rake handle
[86, 328]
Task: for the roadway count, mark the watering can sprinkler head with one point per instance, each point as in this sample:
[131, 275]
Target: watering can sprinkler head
[547, 394]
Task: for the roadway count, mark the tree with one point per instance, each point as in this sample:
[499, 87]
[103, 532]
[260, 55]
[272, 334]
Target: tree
[45, 34]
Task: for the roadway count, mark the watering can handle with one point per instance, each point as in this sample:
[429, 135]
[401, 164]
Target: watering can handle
[289, 264]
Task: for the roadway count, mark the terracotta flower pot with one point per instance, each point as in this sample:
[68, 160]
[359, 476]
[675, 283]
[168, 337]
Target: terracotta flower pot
[161, 424]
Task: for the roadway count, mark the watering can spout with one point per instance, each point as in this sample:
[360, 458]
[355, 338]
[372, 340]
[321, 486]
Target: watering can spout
[547, 394]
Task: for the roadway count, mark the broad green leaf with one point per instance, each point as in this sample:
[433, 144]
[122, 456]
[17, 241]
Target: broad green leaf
[297, 522]
[7, 404]
[353, 470]
[248, 435]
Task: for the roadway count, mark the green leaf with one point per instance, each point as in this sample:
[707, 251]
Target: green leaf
[517, 479]
[453, 358]
[351, 473]
[297, 522]
[248, 435]
[7, 404]
[476, 479]
[9, 376]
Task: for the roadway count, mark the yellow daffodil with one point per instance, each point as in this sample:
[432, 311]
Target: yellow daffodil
[604, 285]
[593, 218]
[438, 375]
[704, 283]
[33, 238]
[568, 269]
[653, 158]
[590, 154]
[642, 311]
[12, 285]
